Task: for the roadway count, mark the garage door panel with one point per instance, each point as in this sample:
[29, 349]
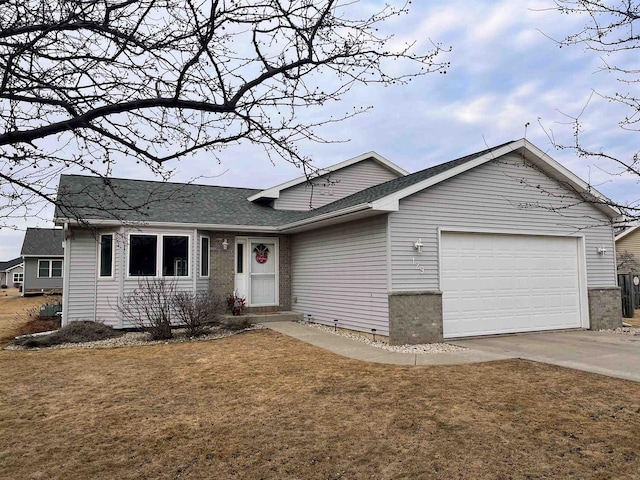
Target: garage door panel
[508, 283]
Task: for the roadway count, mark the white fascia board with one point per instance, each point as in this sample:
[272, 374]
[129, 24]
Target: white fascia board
[326, 216]
[201, 226]
[563, 174]
[335, 218]
[42, 255]
[626, 232]
[274, 192]
[15, 266]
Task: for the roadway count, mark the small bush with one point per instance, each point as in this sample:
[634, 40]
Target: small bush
[195, 311]
[3, 286]
[149, 307]
[75, 332]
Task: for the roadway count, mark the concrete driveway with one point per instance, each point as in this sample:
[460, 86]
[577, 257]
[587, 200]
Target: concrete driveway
[611, 354]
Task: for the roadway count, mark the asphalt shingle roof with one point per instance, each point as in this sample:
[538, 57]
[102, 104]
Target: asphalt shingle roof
[93, 198]
[43, 242]
[10, 264]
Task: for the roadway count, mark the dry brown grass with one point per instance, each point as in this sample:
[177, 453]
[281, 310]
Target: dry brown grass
[13, 317]
[260, 405]
[635, 321]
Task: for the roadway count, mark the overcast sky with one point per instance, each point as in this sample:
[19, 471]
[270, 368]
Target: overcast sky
[505, 73]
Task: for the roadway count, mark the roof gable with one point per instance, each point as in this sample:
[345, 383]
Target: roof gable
[626, 232]
[10, 264]
[43, 242]
[274, 192]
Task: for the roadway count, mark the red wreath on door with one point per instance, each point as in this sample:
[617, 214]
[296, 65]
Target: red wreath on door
[262, 253]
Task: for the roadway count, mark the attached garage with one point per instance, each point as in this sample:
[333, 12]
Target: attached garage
[506, 283]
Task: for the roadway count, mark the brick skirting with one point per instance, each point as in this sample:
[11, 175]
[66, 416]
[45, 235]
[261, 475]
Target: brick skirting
[605, 308]
[415, 317]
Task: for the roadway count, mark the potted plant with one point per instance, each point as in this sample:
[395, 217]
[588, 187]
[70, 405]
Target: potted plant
[236, 303]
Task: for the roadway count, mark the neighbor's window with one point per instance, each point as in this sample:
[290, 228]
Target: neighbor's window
[49, 268]
[175, 256]
[18, 277]
[143, 253]
[106, 255]
[204, 256]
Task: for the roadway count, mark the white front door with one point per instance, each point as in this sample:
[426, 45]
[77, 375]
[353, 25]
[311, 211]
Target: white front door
[257, 270]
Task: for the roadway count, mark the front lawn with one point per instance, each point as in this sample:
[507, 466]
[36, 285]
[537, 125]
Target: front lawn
[260, 405]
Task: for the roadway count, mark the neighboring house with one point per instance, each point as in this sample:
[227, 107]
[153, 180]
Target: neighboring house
[11, 273]
[628, 250]
[43, 256]
[493, 242]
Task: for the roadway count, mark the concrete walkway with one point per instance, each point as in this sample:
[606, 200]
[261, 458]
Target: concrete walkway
[610, 354]
[368, 353]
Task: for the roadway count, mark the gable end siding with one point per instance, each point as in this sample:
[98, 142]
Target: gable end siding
[336, 185]
[630, 243]
[340, 273]
[502, 195]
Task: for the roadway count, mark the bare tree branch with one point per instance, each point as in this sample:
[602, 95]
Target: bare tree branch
[88, 83]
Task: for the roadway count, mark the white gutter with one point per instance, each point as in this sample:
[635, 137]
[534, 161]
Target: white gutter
[201, 226]
[332, 215]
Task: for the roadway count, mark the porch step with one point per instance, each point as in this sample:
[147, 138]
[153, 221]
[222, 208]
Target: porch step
[264, 317]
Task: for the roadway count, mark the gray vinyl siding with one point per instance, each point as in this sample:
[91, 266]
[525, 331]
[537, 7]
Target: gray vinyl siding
[332, 187]
[503, 195]
[34, 283]
[341, 273]
[81, 292]
[630, 243]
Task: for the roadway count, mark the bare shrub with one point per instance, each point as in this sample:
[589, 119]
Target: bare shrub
[196, 311]
[149, 307]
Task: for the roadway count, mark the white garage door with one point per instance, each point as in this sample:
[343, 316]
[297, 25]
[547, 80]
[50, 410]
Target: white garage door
[508, 283]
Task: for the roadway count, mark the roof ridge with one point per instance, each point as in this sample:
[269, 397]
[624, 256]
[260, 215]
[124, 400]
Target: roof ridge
[159, 182]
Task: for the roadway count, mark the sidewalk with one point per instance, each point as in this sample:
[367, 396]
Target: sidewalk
[368, 353]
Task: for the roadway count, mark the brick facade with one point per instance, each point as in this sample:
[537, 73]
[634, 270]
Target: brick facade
[415, 317]
[223, 266]
[605, 308]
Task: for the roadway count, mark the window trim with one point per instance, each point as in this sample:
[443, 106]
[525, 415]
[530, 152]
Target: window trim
[14, 277]
[161, 256]
[208, 270]
[113, 255]
[129, 235]
[50, 268]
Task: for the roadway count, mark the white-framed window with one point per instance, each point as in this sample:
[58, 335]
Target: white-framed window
[18, 277]
[49, 268]
[175, 255]
[146, 253]
[106, 255]
[143, 255]
[205, 262]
